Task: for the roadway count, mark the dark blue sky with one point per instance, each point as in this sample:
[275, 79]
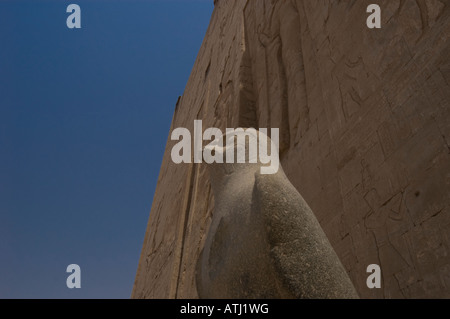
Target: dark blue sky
[84, 118]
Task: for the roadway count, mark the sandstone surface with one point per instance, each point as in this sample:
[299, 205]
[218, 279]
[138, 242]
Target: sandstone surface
[364, 117]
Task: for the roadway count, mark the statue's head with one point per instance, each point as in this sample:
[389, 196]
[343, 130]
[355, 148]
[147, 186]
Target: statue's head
[243, 150]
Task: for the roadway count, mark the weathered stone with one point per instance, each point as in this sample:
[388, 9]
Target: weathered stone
[264, 240]
[364, 115]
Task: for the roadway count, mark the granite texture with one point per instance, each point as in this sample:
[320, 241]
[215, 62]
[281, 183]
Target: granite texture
[264, 241]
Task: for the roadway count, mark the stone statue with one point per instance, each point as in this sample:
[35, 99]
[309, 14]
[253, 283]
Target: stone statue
[264, 241]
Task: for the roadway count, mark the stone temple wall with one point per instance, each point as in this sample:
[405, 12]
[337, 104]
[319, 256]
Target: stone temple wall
[364, 118]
